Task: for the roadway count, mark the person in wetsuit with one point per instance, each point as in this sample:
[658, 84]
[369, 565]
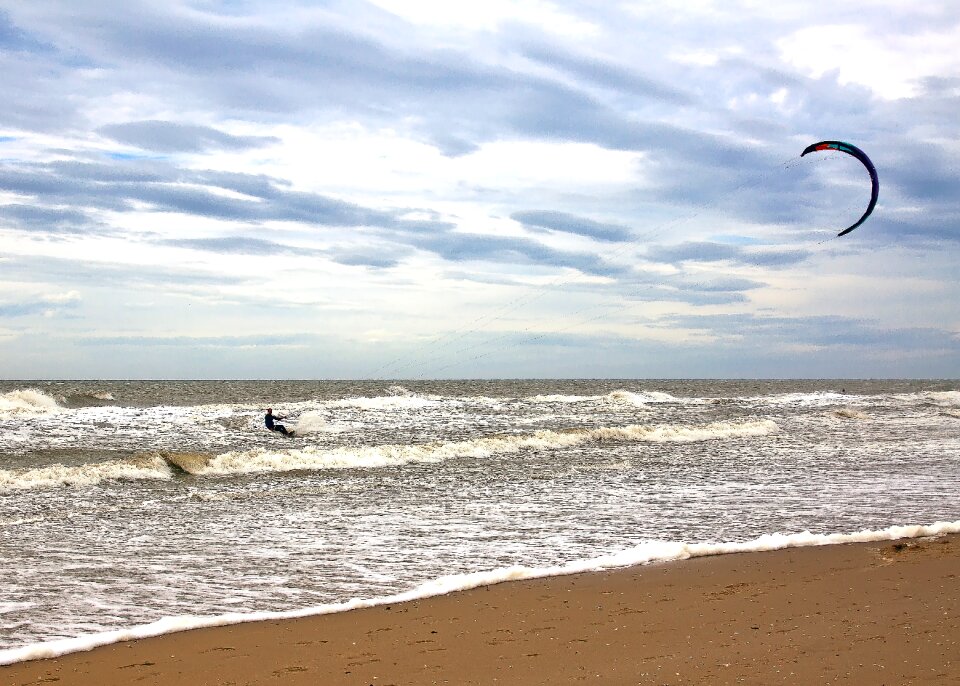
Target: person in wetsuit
[270, 419]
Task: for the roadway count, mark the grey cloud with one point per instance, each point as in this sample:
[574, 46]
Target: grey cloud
[776, 258]
[76, 273]
[254, 185]
[372, 258]
[694, 252]
[35, 306]
[452, 145]
[719, 285]
[169, 189]
[46, 220]
[166, 136]
[922, 171]
[827, 331]
[705, 251]
[459, 247]
[595, 71]
[14, 38]
[236, 245]
[569, 223]
[243, 245]
[267, 340]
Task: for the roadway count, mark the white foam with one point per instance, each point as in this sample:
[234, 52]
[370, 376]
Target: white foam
[311, 457]
[642, 398]
[560, 398]
[26, 402]
[814, 399]
[945, 397]
[84, 475]
[653, 551]
[617, 397]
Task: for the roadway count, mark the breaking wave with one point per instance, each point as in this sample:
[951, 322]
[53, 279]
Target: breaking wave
[26, 402]
[947, 398]
[313, 458]
[166, 464]
[144, 467]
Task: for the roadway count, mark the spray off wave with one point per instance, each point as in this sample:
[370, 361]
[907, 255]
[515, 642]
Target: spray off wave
[645, 553]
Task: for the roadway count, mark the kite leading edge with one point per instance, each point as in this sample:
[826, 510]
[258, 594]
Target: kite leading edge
[860, 155]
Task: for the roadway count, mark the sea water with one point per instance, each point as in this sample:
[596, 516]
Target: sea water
[135, 508]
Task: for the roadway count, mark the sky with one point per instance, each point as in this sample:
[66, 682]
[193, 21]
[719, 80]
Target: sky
[419, 189]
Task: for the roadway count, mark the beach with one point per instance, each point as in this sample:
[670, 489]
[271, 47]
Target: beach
[884, 612]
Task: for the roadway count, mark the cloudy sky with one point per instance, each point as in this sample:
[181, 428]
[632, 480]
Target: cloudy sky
[512, 188]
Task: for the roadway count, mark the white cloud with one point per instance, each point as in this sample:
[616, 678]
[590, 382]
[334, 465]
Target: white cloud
[490, 15]
[891, 64]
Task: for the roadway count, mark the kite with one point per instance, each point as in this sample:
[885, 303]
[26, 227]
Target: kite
[862, 156]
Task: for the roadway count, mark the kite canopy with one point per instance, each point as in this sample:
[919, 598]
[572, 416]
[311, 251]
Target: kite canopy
[860, 155]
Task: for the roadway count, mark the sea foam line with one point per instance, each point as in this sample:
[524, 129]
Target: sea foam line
[645, 553]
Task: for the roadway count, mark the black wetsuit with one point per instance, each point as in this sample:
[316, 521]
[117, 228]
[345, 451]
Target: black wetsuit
[269, 420]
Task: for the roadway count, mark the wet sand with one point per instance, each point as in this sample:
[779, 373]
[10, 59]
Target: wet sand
[864, 613]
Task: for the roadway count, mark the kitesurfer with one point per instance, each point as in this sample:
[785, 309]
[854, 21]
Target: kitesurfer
[270, 420]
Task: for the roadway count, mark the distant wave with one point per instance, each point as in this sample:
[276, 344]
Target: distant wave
[26, 402]
[261, 460]
[645, 553]
[804, 399]
[94, 398]
[616, 397]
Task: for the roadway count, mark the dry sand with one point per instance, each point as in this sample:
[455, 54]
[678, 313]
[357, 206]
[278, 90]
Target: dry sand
[865, 613]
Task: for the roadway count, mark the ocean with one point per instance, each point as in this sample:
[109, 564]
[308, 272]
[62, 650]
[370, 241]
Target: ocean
[131, 508]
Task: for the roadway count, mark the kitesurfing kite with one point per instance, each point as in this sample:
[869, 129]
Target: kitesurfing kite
[860, 155]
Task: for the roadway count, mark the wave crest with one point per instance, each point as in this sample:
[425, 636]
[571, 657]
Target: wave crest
[27, 401]
[142, 467]
[850, 413]
[311, 458]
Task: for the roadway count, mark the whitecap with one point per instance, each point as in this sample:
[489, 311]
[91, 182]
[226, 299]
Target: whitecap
[27, 401]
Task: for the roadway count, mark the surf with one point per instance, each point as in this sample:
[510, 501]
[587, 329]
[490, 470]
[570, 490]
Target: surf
[392, 455]
[644, 553]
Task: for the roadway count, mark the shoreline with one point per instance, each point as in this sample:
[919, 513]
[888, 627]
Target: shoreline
[865, 612]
